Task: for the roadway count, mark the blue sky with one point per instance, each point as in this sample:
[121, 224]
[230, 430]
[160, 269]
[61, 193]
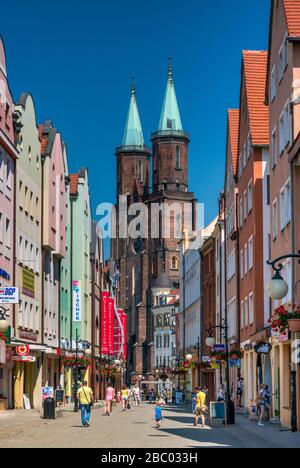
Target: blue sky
[77, 62]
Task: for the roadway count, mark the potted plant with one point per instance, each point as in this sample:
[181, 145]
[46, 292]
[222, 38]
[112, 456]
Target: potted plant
[235, 354]
[286, 318]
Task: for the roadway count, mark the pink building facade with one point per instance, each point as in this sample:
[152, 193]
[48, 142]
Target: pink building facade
[8, 157]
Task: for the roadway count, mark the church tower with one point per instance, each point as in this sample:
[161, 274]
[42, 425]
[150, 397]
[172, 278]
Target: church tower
[170, 183]
[130, 256]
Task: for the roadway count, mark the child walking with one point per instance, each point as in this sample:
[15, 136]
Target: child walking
[158, 414]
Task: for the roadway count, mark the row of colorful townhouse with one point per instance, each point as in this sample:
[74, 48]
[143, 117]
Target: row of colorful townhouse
[259, 217]
[49, 251]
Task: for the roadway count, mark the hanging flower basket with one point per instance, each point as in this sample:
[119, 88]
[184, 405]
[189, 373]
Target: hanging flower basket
[77, 362]
[3, 338]
[285, 318]
[235, 354]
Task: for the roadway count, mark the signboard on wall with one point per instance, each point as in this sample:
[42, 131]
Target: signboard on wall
[76, 301]
[104, 322]
[110, 327]
[9, 295]
[28, 283]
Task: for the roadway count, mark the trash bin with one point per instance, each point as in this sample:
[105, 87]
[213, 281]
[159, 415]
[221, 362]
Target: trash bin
[49, 408]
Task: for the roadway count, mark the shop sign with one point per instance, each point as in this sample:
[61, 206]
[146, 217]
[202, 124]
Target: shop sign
[28, 283]
[27, 335]
[4, 274]
[76, 301]
[248, 347]
[263, 348]
[9, 295]
[22, 350]
[206, 359]
[219, 348]
[28, 359]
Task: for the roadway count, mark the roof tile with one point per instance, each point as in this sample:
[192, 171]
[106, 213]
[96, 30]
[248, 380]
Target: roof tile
[233, 134]
[292, 14]
[255, 67]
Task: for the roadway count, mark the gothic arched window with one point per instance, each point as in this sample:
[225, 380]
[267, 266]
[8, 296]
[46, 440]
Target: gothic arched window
[174, 263]
[140, 171]
[177, 157]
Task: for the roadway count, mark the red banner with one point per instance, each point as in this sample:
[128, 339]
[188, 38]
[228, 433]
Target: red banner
[123, 317]
[104, 322]
[118, 334]
[110, 327]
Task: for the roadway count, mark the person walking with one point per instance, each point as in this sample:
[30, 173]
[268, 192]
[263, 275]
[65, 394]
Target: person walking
[158, 414]
[264, 402]
[125, 398]
[109, 398]
[85, 396]
[240, 392]
[200, 408]
[137, 395]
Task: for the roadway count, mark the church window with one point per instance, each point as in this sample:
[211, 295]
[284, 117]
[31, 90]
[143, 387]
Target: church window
[174, 263]
[140, 171]
[177, 157]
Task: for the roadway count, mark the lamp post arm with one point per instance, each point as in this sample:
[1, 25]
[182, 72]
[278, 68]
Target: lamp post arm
[278, 260]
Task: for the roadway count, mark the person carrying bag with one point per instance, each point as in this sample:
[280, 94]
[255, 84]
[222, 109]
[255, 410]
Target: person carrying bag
[85, 396]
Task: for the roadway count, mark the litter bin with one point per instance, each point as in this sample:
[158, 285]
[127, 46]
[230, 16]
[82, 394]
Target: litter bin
[49, 408]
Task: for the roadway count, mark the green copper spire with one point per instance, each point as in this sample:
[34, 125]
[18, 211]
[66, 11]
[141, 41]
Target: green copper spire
[170, 117]
[133, 135]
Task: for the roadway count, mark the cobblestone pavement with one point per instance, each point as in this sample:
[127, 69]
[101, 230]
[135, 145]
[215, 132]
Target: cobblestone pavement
[134, 429]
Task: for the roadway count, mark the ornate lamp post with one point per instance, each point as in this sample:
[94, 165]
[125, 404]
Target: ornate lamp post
[278, 290]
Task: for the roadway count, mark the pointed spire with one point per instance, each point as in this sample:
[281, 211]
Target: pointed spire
[170, 116]
[133, 135]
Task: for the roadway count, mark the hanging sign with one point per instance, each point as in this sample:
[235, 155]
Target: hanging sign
[22, 350]
[263, 348]
[28, 359]
[110, 326]
[104, 322]
[9, 295]
[76, 301]
[124, 326]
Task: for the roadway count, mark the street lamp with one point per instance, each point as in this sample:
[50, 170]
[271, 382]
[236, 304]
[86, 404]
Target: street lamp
[4, 324]
[210, 342]
[189, 357]
[278, 289]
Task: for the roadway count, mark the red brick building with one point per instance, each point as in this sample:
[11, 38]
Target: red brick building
[141, 261]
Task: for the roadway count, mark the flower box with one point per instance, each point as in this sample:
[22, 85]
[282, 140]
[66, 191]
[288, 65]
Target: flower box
[294, 325]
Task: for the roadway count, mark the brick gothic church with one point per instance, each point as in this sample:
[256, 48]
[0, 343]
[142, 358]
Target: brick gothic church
[148, 263]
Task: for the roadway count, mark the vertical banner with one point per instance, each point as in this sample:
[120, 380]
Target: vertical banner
[104, 322]
[110, 327]
[76, 301]
[123, 317]
[118, 333]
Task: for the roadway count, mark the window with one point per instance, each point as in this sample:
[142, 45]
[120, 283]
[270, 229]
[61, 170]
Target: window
[273, 83]
[274, 213]
[177, 157]
[140, 171]
[282, 209]
[241, 212]
[250, 196]
[274, 148]
[231, 266]
[245, 206]
[288, 203]
[242, 263]
[280, 64]
[245, 259]
[283, 58]
[250, 252]
[251, 311]
[242, 315]
[240, 165]
[246, 312]
[281, 134]
[287, 124]
[174, 263]
[167, 320]
[249, 144]
[244, 156]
